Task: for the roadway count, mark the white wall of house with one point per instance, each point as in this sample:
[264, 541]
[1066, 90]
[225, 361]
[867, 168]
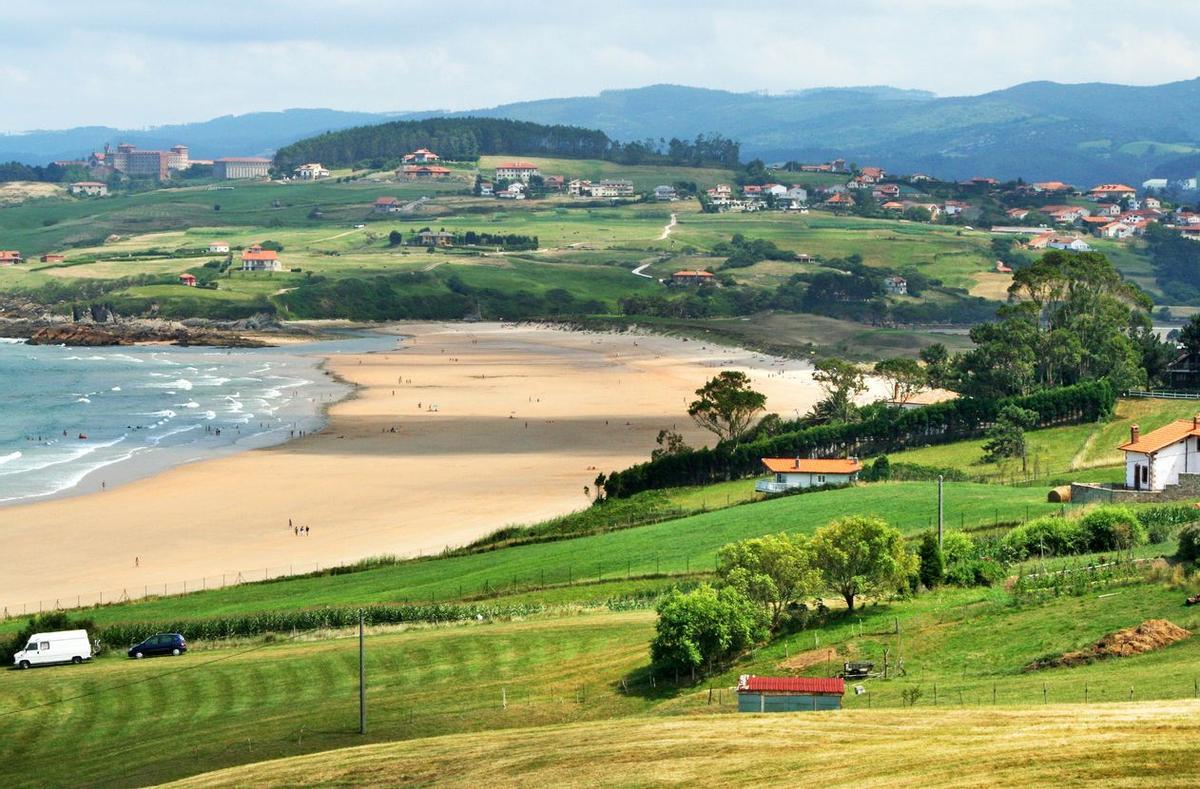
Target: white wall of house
[1164, 466]
[809, 480]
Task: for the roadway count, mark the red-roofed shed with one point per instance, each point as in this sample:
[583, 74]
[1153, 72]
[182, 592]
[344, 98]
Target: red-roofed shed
[789, 694]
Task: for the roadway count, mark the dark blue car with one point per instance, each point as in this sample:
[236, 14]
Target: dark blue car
[161, 644]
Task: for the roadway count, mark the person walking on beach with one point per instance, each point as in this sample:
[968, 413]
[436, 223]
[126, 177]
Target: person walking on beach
[136, 562]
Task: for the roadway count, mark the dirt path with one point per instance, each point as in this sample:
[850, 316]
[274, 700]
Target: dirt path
[667, 228]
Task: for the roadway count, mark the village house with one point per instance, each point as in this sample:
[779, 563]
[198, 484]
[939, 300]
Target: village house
[1112, 192]
[516, 171]
[218, 247]
[431, 238]
[1115, 230]
[752, 190]
[982, 181]
[554, 183]
[514, 191]
[1108, 209]
[892, 205]
[797, 192]
[897, 286]
[311, 171]
[89, 188]
[1054, 241]
[954, 207]
[187, 280]
[10, 257]
[1065, 214]
[255, 258]
[485, 188]
[612, 187]
[840, 200]
[579, 187]
[236, 167]
[1152, 203]
[664, 193]
[797, 473]
[692, 277]
[1156, 460]
[1050, 186]
[789, 694]
[421, 156]
[419, 172]
[1190, 232]
[887, 190]
[51, 258]
[386, 205]
[920, 178]
[1017, 213]
[870, 175]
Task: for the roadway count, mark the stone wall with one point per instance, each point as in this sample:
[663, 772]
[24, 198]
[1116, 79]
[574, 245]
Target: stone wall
[1093, 493]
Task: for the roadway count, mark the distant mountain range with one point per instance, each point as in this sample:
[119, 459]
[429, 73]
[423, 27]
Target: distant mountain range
[1038, 130]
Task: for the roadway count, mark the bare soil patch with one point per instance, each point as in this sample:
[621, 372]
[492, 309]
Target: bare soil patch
[1148, 636]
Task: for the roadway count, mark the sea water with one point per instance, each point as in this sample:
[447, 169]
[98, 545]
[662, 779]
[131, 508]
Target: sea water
[79, 419]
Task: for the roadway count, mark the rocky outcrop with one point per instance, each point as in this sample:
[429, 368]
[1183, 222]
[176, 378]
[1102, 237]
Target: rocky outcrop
[76, 334]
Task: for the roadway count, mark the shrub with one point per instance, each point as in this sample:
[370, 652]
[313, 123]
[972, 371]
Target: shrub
[1162, 521]
[1189, 543]
[1051, 535]
[958, 548]
[1112, 528]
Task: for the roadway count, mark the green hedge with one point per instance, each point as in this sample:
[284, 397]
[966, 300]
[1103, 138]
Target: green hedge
[884, 430]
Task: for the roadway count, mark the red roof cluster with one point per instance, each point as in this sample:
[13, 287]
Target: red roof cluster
[748, 683]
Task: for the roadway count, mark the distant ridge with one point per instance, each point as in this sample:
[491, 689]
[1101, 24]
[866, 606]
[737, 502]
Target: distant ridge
[1082, 133]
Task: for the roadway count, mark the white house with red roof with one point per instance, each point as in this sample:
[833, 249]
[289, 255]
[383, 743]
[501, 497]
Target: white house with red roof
[386, 205]
[255, 258]
[1115, 230]
[10, 257]
[218, 247]
[310, 171]
[798, 473]
[517, 171]
[1155, 460]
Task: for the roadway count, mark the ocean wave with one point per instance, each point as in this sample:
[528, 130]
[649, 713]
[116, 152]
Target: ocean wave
[189, 404]
[115, 389]
[73, 454]
[157, 439]
[10, 457]
[178, 383]
[11, 341]
[165, 412]
[83, 400]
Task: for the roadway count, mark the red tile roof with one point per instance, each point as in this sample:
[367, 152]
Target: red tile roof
[1155, 440]
[812, 465]
[748, 683]
[260, 254]
[516, 166]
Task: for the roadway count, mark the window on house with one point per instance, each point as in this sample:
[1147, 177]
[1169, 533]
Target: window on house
[1145, 474]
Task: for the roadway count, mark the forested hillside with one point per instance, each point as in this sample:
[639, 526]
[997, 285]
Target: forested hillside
[467, 138]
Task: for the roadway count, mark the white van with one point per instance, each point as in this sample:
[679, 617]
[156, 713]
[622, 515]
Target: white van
[65, 646]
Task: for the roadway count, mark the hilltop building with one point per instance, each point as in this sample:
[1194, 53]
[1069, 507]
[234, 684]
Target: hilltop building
[236, 167]
[311, 171]
[517, 171]
[421, 156]
[255, 258]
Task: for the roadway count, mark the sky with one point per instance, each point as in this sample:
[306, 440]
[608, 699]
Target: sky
[138, 63]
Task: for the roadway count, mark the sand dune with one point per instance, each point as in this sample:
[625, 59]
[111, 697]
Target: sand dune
[492, 425]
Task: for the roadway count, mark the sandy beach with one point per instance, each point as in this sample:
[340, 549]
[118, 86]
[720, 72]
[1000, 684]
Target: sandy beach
[460, 430]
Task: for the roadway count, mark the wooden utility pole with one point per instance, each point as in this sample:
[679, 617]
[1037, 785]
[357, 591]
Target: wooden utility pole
[362, 676]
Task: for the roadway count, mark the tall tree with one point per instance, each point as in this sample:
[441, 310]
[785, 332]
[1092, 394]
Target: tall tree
[726, 405]
[905, 377]
[774, 571]
[861, 557]
[841, 381]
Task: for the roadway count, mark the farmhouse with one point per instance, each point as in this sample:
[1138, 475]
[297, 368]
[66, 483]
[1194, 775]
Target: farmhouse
[1112, 192]
[10, 257]
[665, 193]
[692, 277]
[1072, 243]
[554, 183]
[90, 188]
[517, 171]
[417, 172]
[485, 188]
[1116, 230]
[514, 191]
[50, 258]
[431, 238]
[218, 247]
[797, 473]
[1017, 213]
[896, 285]
[789, 694]
[421, 156]
[1156, 460]
[386, 205]
[256, 258]
[311, 171]
[1050, 186]
[188, 280]
[612, 187]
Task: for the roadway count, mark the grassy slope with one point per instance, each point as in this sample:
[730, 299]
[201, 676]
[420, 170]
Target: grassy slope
[678, 546]
[1090, 449]
[1042, 745]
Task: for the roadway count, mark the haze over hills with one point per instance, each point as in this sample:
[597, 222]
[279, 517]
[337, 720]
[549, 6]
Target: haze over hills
[1082, 133]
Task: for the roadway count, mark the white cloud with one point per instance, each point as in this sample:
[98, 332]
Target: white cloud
[146, 62]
